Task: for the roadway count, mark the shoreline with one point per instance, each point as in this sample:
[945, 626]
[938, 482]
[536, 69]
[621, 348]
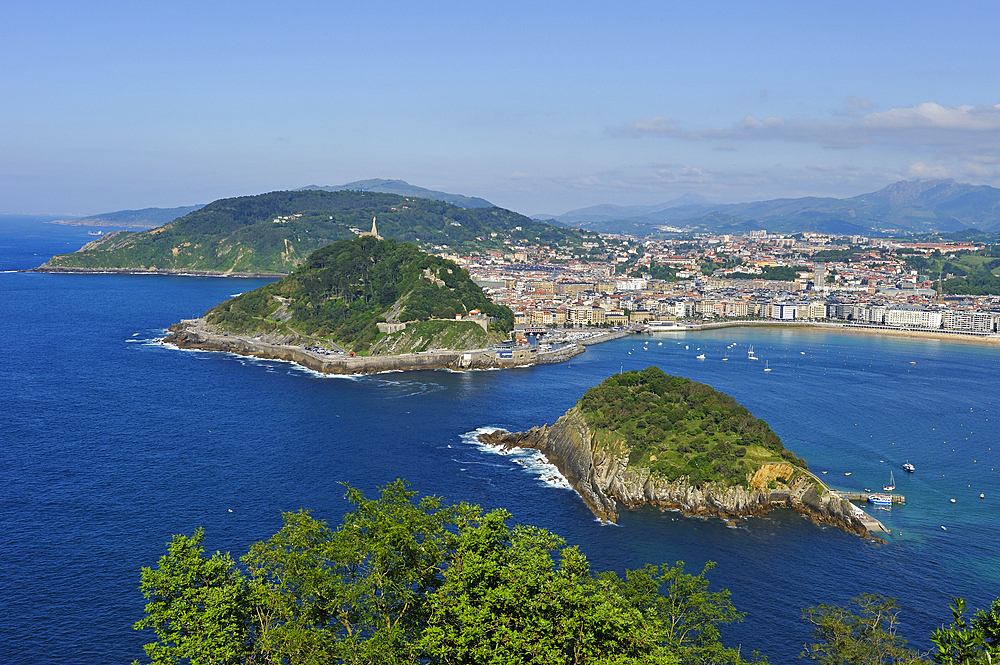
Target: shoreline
[155, 271]
[193, 334]
[871, 329]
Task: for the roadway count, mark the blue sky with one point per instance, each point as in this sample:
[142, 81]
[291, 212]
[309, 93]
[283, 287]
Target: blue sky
[538, 107]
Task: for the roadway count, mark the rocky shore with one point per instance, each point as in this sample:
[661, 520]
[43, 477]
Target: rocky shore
[197, 334]
[153, 271]
[603, 478]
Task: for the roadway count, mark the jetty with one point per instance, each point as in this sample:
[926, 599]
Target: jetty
[863, 496]
[870, 522]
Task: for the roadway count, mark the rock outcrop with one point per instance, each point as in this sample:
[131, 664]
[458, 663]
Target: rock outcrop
[602, 476]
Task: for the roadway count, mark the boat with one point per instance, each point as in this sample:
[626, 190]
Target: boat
[909, 468]
[95, 233]
[892, 483]
[700, 356]
[766, 367]
[952, 500]
[847, 473]
[880, 499]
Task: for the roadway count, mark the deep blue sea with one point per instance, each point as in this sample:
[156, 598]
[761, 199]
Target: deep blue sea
[111, 442]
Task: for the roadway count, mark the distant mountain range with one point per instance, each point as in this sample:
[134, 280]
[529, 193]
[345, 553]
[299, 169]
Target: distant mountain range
[917, 206]
[404, 188]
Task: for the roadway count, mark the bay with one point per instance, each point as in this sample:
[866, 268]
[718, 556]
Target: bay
[111, 442]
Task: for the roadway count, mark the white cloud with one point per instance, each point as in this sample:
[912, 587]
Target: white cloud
[657, 125]
[934, 116]
[517, 175]
[923, 124]
[922, 170]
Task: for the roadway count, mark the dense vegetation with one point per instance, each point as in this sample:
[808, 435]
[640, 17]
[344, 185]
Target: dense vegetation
[677, 427]
[405, 581]
[415, 581]
[275, 232]
[343, 290]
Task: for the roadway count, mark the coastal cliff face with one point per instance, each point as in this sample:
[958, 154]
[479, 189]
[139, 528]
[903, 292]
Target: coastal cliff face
[601, 475]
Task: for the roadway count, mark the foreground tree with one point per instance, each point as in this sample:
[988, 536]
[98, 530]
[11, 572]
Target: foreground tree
[961, 643]
[861, 633]
[404, 581]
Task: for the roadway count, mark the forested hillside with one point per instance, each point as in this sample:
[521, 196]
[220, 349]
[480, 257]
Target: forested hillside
[677, 427]
[345, 289]
[275, 232]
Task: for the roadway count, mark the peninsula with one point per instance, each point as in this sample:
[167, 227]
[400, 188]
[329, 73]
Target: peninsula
[648, 438]
[368, 305]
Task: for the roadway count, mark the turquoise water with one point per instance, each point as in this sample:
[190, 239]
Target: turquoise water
[111, 442]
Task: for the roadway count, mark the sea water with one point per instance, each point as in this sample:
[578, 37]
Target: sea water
[111, 442]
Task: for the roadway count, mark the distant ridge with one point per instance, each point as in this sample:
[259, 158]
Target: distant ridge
[403, 188]
[916, 206]
[147, 218]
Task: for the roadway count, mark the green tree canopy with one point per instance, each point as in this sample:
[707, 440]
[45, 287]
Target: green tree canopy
[408, 580]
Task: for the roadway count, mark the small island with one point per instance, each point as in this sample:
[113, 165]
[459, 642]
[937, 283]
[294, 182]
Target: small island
[648, 438]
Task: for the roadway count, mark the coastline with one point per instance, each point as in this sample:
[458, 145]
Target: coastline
[154, 271]
[871, 329]
[195, 334]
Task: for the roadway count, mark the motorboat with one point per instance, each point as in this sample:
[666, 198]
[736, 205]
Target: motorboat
[880, 499]
[909, 468]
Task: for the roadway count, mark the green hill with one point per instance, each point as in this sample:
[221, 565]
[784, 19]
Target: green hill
[677, 427]
[344, 290]
[275, 232]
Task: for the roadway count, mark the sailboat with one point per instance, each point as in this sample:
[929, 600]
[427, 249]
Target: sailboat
[766, 368]
[892, 484]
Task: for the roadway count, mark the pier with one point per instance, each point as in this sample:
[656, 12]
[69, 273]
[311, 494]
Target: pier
[863, 496]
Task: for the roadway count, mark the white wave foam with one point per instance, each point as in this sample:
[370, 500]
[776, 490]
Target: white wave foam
[530, 460]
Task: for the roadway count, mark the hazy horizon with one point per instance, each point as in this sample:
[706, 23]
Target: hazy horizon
[539, 109]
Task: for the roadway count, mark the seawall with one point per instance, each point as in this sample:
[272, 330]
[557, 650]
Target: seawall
[195, 334]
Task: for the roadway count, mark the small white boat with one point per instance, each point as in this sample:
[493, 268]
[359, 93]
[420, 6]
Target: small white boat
[700, 356]
[766, 367]
[892, 484]
[847, 473]
[952, 500]
[982, 496]
[909, 468]
[880, 499]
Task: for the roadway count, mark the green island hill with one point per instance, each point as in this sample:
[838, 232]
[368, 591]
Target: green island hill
[649, 438]
[274, 233]
[360, 297]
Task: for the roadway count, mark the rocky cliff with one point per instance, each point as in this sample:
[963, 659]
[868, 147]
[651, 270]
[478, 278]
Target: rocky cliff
[602, 476]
